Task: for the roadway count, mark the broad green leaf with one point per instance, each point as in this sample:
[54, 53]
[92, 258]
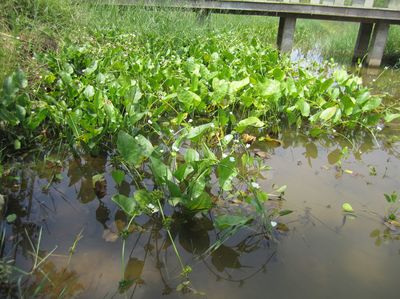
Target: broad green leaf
[269, 88]
[228, 221]
[250, 121]
[226, 172]
[118, 176]
[201, 203]
[89, 91]
[236, 86]
[199, 130]
[92, 68]
[134, 150]
[391, 116]
[188, 99]
[328, 113]
[191, 155]
[371, 104]
[304, 107]
[127, 204]
[161, 171]
[347, 208]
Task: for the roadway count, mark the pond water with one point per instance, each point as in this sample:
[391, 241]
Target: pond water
[318, 251]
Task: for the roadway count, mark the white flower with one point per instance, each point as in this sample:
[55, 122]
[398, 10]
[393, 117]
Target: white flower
[232, 159]
[273, 223]
[175, 149]
[255, 185]
[236, 141]
[151, 206]
[247, 145]
[190, 120]
[212, 125]
[136, 138]
[224, 155]
[161, 150]
[171, 131]
[149, 122]
[230, 112]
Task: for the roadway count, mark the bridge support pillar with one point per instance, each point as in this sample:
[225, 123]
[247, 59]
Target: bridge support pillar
[378, 44]
[362, 43]
[287, 26]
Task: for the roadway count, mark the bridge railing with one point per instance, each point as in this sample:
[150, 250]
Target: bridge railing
[383, 4]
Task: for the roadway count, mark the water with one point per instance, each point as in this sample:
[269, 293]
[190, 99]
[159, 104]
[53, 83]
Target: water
[317, 252]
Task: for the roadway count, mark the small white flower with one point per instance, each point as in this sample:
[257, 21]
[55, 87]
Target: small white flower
[212, 125]
[136, 138]
[236, 141]
[255, 185]
[151, 206]
[190, 120]
[175, 149]
[149, 122]
[171, 131]
[224, 155]
[231, 113]
[161, 150]
[334, 131]
[273, 223]
[247, 145]
[232, 159]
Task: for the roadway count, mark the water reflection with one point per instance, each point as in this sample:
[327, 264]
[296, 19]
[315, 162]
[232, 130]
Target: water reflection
[59, 195]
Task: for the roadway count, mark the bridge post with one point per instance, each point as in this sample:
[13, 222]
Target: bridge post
[359, 3]
[362, 43]
[339, 2]
[287, 26]
[378, 44]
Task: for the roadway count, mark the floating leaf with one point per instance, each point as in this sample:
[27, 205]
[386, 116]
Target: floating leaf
[347, 208]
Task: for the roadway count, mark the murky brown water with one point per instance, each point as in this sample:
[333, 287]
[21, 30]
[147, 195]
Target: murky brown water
[324, 254]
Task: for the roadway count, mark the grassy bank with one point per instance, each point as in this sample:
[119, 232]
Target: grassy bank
[36, 26]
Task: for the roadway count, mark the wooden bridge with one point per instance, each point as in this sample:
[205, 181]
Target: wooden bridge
[374, 16]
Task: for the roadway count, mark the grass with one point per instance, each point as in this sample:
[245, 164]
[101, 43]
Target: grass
[28, 27]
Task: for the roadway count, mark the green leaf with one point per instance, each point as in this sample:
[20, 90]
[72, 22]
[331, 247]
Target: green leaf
[11, 218]
[201, 203]
[226, 172]
[347, 208]
[161, 172]
[236, 86]
[228, 221]
[191, 155]
[127, 204]
[269, 88]
[199, 130]
[17, 144]
[285, 212]
[188, 99]
[304, 107]
[89, 91]
[118, 176]
[328, 113]
[134, 150]
[250, 121]
[91, 68]
[391, 116]
[372, 104]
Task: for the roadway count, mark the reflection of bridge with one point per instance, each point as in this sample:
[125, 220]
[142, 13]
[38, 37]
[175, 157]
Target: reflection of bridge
[374, 16]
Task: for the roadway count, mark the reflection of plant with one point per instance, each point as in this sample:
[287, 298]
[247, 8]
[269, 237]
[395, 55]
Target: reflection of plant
[392, 212]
